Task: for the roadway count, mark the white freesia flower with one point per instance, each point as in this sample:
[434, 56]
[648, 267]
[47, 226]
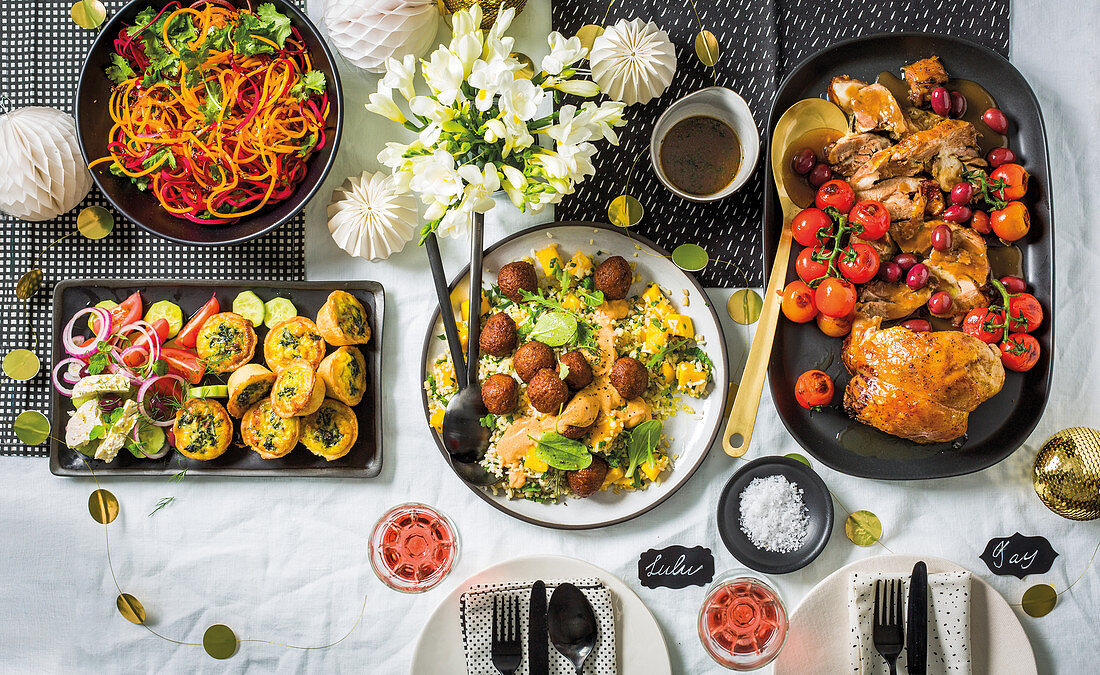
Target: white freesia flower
[514, 184]
[467, 49]
[604, 118]
[575, 87]
[466, 22]
[444, 74]
[437, 181]
[570, 128]
[494, 130]
[381, 103]
[521, 98]
[399, 76]
[480, 186]
[563, 53]
[516, 134]
[455, 222]
[577, 160]
[501, 25]
[489, 78]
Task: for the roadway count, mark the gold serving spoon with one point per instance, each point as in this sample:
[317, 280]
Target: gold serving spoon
[801, 118]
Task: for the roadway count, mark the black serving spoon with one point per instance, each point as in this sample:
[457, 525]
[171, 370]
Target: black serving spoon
[464, 437]
[572, 624]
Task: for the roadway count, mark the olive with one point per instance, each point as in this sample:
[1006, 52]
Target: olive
[941, 101]
[820, 175]
[999, 156]
[995, 120]
[980, 222]
[917, 325]
[958, 105]
[941, 238]
[962, 193]
[917, 278]
[905, 260]
[1014, 284]
[956, 213]
[890, 271]
[803, 161]
[939, 303]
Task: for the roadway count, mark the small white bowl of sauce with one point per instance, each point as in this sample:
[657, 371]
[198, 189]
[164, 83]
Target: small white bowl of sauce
[705, 146]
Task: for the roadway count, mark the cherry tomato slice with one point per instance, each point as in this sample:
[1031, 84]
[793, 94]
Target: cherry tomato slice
[1024, 313]
[190, 333]
[1015, 178]
[814, 388]
[807, 268]
[183, 363]
[811, 227]
[837, 194]
[798, 302]
[835, 297]
[835, 326]
[859, 262]
[1019, 352]
[984, 324]
[872, 216]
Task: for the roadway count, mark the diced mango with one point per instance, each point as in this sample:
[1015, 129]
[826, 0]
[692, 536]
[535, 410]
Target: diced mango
[571, 302]
[437, 419]
[463, 334]
[465, 309]
[444, 374]
[604, 430]
[534, 463]
[655, 337]
[653, 293]
[668, 373]
[651, 470]
[680, 325]
[579, 265]
[656, 304]
[614, 474]
[690, 378]
[547, 257]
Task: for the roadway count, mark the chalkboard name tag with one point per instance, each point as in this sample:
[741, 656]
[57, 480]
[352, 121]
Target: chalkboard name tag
[1019, 555]
[676, 567]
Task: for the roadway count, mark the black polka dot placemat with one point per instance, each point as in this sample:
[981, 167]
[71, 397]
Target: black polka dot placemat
[41, 52]
[760, 41]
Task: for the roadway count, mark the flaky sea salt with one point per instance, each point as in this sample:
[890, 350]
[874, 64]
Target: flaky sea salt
[773, 515]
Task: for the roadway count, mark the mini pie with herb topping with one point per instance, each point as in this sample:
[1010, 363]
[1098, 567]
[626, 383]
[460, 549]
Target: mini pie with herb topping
[297, 390]
[343, 320]
[267, 432]
[331, 431]
[345, 374]
[247, 385]
[295, 338]
[202, 429]
[226, 342]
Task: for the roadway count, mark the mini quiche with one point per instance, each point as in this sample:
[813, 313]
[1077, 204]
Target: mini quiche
[202, 429]
[295, 338]
[247, 385]
[267, 432]
[331, 431]
[345, 374]
[226, 342]
[297, 390]
[343, 320]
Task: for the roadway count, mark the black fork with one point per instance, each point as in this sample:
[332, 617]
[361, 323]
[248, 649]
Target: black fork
[507, 648]
[888, 634]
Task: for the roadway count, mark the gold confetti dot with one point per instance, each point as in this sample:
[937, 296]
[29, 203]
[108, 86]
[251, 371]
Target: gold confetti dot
[95, 222]
[625, 211]
[690, 257]
[744, 306]
[863, 528]
[219, 641]
[88, 14]
[29, 283]
[103, 506]
[798, 458]
[130, 608]
[31, 427]
[706, 47]
[528, 69]
[588, 34]
[1039, 600]
[21, 364]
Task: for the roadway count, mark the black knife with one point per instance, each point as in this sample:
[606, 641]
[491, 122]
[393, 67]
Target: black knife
[538, 642]
[916, 634]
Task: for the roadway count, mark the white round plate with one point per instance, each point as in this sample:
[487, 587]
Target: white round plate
[692, 434]
[639, 644]
[998, 643]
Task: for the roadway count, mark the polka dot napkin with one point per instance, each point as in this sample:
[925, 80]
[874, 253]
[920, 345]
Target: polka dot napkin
[948, 624]
[476, 616]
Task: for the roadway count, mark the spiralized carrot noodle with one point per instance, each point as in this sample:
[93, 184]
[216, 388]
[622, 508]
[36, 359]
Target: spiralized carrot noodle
[223, 138]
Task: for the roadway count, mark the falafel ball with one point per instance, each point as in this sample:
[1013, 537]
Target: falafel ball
[613, 277]
[546, 391]
[629, 377]
[498, 336]
[580, 372]
[585, 482]
[574, 432]
[517, 276]
[500, 393]
[532, 357]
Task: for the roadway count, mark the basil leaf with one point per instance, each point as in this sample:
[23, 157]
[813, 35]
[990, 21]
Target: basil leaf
[561, 452]
[554, 328]
[643, 441]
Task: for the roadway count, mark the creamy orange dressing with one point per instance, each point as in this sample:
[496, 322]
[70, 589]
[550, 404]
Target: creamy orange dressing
[605, 338]
[614, 310]
[516, 441]
[636, 412]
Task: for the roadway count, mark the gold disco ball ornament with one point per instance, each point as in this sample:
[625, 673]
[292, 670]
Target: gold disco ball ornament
[489, 8]
[1067, 473]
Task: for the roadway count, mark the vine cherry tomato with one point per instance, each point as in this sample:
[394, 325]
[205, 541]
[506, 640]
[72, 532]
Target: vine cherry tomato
[1015, 179]
[811, 226]
[859, 262]
[807, 268]
[837, 194]
[835, 326]
[1024, 313]
[872, 216]
[798, 302]
[1012, 222]
[814, 388]
[984, 324]
[1019, 352]
[835, 297]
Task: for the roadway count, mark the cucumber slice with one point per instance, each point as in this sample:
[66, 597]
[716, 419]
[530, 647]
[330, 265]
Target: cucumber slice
[278, 309]
[105, 304]
[151, 439]
[249, 305]
[209, 391]
[170, 312]
[81, 400]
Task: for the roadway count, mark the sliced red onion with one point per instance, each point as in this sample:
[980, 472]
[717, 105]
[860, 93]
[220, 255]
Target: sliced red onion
[149, 333]
[145, 389]
[63, 363]
[105, 323]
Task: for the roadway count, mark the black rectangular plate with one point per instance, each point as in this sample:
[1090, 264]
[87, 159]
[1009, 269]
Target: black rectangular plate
[365, 458]
[1000, 425]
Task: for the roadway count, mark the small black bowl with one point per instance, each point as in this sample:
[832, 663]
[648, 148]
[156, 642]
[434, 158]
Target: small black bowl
[819, 505]
[93, 125]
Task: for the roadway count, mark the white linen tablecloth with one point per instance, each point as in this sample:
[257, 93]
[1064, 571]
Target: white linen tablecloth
[286, 560]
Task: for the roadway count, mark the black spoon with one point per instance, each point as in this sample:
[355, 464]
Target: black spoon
[464, 437]
[571, 624]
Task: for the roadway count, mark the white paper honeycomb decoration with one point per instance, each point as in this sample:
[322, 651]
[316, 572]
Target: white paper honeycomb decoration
[367, 32]
[42, 173]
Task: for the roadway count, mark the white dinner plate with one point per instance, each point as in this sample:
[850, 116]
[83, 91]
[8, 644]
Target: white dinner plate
[691, 434]
[639, 643]
[998, 643]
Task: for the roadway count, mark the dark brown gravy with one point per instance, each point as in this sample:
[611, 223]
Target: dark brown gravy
[978, 100]
[798, 188]
[700, 155]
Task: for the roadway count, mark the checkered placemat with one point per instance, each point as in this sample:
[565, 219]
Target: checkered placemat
[41, 52]
[760, 41]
